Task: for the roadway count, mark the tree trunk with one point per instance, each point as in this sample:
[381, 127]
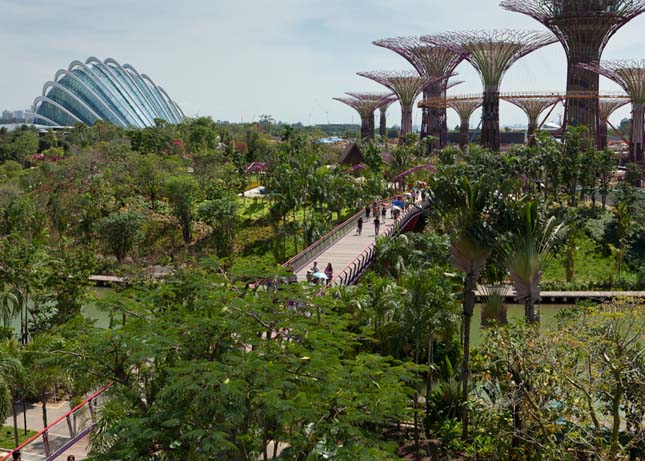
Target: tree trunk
[43, 399]
[15, 421]
[583, 111]
[406, 122]
[382, 129]
[636, 140]
[365, 128]
[490, 118]
[429, 385]
[468, 309]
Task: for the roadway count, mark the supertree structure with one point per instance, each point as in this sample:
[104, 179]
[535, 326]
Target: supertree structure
[607, 105]
[533, 105]
[407, 86]
[377, 99]
[630, 75]
[382, 128]
[429, 61]
[583, 27]
[365, 104]
[464, 105]
[492, 53]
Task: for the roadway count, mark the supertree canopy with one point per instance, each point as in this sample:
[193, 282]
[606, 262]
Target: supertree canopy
[464, 105]
[379, 99]
[533, 105]
[365, 104]
[430, 61]
[583, 27]
[607, 105]
[492, 53]
[630, 75]
[407, 86]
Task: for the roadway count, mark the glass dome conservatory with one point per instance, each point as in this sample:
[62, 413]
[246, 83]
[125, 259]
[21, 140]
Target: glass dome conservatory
[103, 90]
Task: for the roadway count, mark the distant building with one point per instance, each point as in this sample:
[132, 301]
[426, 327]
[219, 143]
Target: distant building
[103, 90]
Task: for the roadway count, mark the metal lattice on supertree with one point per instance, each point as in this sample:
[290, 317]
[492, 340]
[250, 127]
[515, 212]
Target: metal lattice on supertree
[382, 128]
[365, 104]
[464, 105]
[432, 61]
[630, 75]
[533, 105]
[379, 99]
[607, 105]
[583, 27]
[407, 86]
[492, 53]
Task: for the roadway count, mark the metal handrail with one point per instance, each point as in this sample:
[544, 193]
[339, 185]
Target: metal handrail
[298, 261]
[89, 402]
[355, 269]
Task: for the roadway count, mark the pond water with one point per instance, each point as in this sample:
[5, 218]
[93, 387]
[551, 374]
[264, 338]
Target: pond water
[548, 314]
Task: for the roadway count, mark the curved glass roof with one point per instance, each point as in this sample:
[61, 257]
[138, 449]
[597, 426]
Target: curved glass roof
[104, 90]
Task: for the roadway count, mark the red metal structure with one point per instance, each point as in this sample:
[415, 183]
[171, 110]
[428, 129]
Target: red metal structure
[429, 61]
[630, 75]
[407, 86]
[533, 105]
[583, 27]
[607, 105]
[492, 53]
[365, 104]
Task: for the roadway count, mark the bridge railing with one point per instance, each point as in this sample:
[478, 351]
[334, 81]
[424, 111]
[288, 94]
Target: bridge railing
[59, 436]
[355, 269]
[305, 256]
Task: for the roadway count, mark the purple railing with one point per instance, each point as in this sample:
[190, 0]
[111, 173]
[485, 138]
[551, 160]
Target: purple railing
[59, 436]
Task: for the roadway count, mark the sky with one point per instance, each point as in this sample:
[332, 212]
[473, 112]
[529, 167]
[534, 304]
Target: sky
[238, 59]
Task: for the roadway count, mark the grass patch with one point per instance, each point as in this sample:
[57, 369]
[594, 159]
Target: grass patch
[590, 264]
[6, 437]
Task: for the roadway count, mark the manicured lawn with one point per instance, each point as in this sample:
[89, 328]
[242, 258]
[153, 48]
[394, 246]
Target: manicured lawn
[7, 440]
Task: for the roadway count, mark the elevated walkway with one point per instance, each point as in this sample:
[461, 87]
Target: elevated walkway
[351, 254]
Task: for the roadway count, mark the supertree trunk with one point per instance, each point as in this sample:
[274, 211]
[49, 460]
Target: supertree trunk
[365, 128]
[382, 129]
[638, 111]
[603, 131]
[464, 133]
[425, 116]
[372, 127]
[406, 121]
[436, 90]
[490, 118]
[443, 137]
[582, 111]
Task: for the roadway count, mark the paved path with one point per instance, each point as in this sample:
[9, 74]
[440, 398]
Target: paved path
[348, 248]
[57, 437]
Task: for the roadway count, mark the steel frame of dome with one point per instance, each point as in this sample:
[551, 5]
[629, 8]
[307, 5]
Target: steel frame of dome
[104, 90]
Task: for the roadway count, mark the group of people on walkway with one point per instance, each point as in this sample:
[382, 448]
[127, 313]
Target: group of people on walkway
[315, 276]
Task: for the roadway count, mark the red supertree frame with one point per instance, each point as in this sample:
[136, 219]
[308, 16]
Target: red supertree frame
[607, 105]
[464, 105]
[492, 53]
[365, 104]
[429, 61]
[630, 75]
[533, 104]
[583, 27]
[406, 85]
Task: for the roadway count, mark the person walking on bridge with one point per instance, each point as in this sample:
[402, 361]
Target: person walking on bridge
[367, 213]
[377, 225]
[359, 225]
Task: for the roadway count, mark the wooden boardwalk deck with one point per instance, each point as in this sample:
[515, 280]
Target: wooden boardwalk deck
[570, 297]
[347, 249]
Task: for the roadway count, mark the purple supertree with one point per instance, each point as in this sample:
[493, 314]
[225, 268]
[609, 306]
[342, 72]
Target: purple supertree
[607, 105]
[407, 86]
[492, 53]
[583, 27]
[630, 75]
[532, 105]
[382, 128]
[429, 61]
[464, 105]
[365, 104]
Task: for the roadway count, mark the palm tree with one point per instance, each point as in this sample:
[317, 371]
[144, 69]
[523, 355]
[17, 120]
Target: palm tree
[9, 307]
[11, 379]
[464, 204]
[530, 252]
